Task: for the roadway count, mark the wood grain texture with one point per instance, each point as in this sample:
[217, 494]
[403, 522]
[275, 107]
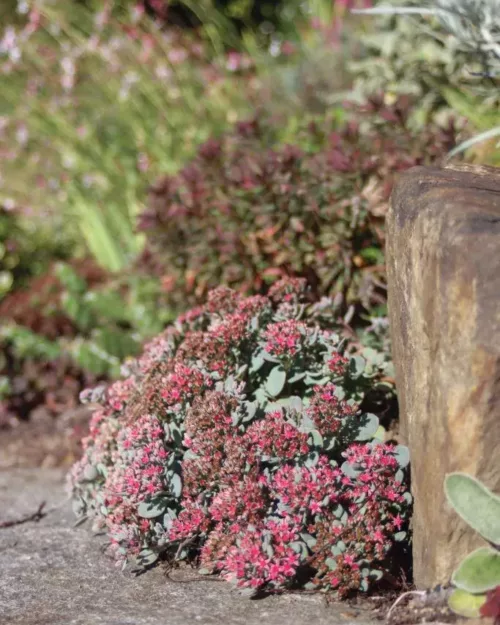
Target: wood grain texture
[443, 264]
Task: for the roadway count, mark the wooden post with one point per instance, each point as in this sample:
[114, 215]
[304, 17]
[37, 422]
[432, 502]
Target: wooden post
[443, 264]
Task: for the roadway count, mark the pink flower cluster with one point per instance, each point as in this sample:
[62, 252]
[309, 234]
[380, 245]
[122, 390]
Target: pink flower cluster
[276, 437]
[251, 561]
[338, 364]
[328, 412]
[252, 495]
[143, 445]
[183, 384]
[284, 338]
[258, 465]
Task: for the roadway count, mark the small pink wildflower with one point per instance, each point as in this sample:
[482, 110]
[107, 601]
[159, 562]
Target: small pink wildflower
[284, 338]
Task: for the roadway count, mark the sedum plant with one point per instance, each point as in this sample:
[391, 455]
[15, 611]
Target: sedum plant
[477, 579]
[242, 440]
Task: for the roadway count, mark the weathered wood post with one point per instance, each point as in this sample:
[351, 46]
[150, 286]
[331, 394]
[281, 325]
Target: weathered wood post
[443, 263]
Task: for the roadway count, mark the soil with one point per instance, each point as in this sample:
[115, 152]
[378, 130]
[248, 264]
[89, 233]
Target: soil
[44, 441]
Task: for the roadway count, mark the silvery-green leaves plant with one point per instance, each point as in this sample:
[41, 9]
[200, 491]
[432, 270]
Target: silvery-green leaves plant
[475, 27]
[475, 23]
[477, 579]
[245, 440]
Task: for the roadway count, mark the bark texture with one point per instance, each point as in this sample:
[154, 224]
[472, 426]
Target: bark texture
[443, 263]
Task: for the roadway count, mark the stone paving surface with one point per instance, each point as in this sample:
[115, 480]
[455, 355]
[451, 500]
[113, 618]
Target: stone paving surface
[54, 574]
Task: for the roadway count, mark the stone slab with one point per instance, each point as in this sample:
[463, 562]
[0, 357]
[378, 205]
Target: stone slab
[54, 574]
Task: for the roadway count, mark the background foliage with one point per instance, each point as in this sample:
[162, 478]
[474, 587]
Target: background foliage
[106, 104]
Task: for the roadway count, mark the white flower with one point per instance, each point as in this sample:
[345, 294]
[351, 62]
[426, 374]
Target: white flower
[9, 40]
[22, 134]
[22, 7]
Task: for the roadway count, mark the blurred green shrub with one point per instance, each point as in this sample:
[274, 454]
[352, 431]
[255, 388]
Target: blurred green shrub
[243, 213]
[95, 104]
[451, 58]
[35, 373]
[111, 321]
[26, 249]
[398, 57]
[69, 328]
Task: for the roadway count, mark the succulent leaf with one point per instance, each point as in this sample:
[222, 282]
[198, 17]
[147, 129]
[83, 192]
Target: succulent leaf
[276, 381]
[465, 603]
[479, 571]
[147, 557]
[368, 427]
[476, 504]
[152, 509]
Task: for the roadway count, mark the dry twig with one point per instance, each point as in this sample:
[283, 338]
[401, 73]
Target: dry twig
[36, 516]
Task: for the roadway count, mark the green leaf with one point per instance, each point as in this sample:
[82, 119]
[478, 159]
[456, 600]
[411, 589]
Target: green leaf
[250, 408]
[268, 357]
[107, 304]
[69, 278]
[349, 470]
[299, 547]
[147, 557]
[338, 548]
[476, 504]
[388, 10]
[203, 571]
[276, 381]
[374, 358]
[479, 571]
[339, 392]
[331, 564]
[316, 438]
[77, 310]
[90, 473]
[85, 355]
[465, 603]
[176, 433]
[481, 116]
[312, 459]
[176, 485]
[296, 403]
[257, 362]
[369, 425]
[297, 377]
[373, 255]
[261, 397]
[151, 509]
[482, 136]
[316, 381]
[402, 455]
[117, 343]
[357, 366]
[309, 540]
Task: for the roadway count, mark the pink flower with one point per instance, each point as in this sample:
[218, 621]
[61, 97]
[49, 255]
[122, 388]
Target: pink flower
[284, 338]
[257, 493]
